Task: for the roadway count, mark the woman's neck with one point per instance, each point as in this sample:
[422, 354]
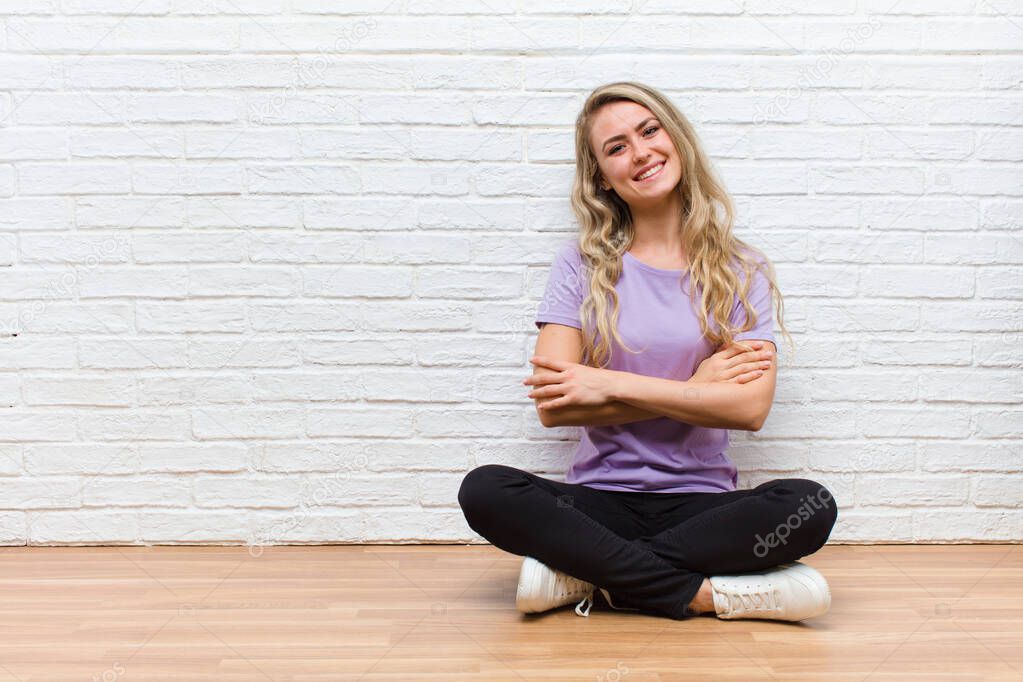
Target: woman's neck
[657, 229]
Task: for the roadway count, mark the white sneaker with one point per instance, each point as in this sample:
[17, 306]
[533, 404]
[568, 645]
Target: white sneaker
[542, 588]
[792, 591]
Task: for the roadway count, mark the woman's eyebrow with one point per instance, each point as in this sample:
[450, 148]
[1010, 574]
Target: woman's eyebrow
[622, 137]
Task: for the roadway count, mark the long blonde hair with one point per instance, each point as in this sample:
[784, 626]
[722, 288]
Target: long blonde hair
[711, 249]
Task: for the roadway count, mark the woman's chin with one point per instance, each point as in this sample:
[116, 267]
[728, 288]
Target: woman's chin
[652, 196]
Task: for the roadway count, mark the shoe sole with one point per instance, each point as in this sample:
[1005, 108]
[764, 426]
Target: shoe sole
[534, 593]
[812, 579]
[531, 578]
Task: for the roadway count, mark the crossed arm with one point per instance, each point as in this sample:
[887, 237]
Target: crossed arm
[718, 404]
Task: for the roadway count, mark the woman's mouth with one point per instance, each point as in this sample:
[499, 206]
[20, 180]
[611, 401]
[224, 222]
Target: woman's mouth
[652, 173]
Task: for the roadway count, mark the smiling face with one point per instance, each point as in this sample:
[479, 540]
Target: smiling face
[630, 144]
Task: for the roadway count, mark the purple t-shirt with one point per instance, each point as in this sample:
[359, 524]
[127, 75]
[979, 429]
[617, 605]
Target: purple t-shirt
[657, 319]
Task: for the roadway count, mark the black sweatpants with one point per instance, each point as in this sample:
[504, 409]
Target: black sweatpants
[650, 551]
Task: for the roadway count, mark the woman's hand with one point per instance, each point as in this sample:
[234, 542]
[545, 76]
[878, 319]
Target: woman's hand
[570, 383]
[734, 364]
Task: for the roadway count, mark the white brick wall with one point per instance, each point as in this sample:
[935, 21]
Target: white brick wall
[270, 277]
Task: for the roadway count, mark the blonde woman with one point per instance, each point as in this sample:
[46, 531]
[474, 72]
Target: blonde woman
[656, 335]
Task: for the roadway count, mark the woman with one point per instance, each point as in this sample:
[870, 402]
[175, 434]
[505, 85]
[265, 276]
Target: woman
[649, 512]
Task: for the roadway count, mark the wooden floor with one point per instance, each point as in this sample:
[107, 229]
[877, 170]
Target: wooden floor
[447, 612]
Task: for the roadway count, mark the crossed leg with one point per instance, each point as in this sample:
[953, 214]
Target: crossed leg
[774, 523]
[657, 563]
[777, 522]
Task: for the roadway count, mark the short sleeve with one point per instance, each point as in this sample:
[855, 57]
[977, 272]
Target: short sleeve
[563, 295]
[759, 298]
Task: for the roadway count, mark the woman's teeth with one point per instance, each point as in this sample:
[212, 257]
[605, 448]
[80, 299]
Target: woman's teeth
[652, 172]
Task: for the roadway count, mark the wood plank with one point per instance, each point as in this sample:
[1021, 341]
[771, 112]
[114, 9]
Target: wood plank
[447, 612]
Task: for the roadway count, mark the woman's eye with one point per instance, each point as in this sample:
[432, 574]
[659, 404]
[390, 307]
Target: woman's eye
[615, 148]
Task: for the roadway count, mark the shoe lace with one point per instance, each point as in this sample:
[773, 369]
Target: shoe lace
[742, 601]
[588, 600]
[566, 587]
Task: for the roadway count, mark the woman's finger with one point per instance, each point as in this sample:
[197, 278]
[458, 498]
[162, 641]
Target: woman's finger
[751, 366]
[736, 349]
[743, 364]
[737, 371]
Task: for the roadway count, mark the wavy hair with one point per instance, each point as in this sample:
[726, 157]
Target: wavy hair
[713, 253]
